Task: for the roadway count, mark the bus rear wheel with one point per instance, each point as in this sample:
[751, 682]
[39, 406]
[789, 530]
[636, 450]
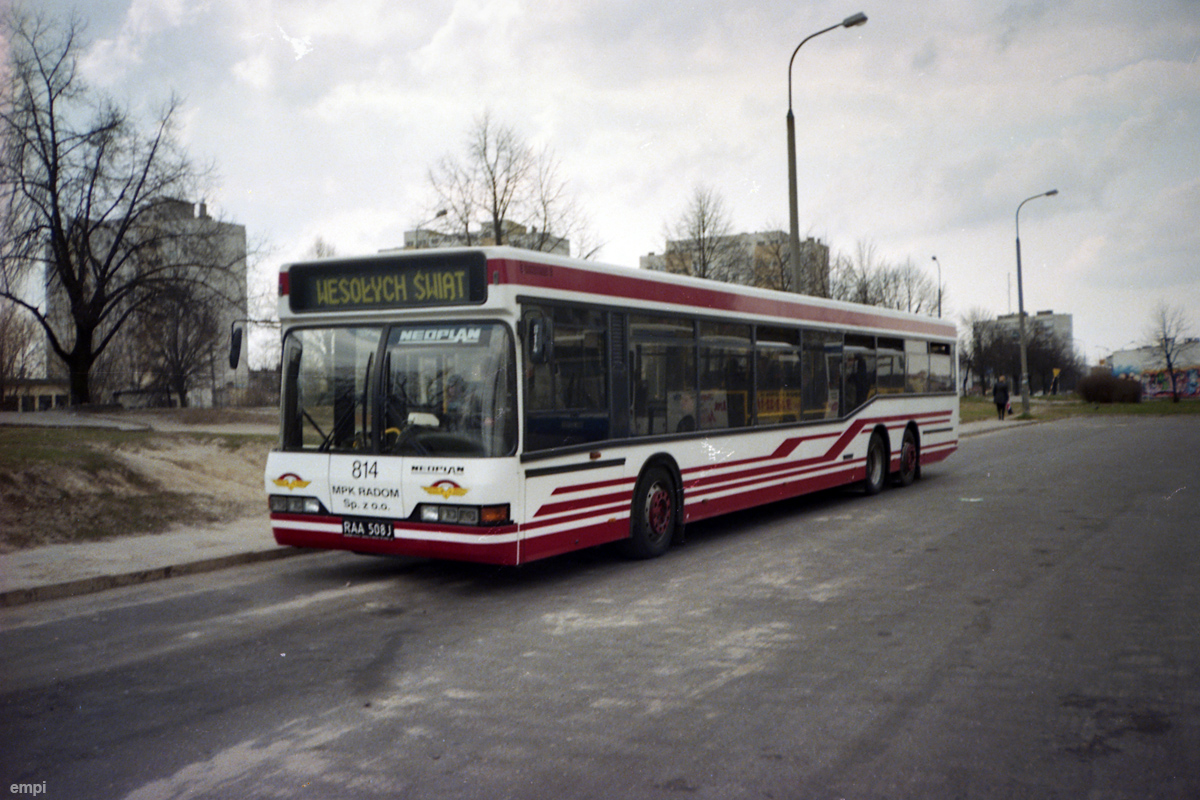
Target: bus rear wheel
[653, 519]
[910, 459]
[877, 466]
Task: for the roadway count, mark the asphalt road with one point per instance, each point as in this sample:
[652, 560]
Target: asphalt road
[1021, 623]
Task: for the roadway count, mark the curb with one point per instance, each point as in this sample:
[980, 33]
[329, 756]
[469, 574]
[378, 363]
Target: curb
[995, 427]
[99, 583]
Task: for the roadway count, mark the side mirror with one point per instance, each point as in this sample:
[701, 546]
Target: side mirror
[235, 347]
[541, 344]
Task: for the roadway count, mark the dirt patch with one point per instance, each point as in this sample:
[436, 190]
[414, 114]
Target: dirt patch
[79, 485]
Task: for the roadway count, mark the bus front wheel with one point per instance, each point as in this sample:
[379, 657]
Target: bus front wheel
[654, 515]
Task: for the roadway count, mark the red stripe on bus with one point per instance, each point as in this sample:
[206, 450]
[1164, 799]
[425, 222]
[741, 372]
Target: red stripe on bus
[611, 283]
[707, 484]
[588, 487]
[717, 506]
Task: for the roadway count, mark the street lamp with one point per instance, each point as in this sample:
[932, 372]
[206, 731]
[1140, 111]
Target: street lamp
[441, 213]
[939, 265]
[417, 238]
[794, 213]
[1021, 307]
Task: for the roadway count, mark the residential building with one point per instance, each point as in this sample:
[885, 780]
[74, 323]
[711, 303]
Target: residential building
[1044, 324]
[130, 371]
[514, 234]
[756, 259]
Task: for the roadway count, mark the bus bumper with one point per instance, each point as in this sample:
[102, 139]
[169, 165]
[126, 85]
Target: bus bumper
[498, 545]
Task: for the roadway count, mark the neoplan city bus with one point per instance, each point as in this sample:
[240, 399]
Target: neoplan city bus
[502, 405]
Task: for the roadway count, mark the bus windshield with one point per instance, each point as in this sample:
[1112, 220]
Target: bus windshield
[438, 389]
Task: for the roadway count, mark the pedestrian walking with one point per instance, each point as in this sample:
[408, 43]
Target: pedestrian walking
[1000, 396]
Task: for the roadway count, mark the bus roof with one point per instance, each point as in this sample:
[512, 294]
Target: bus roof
[545, 274]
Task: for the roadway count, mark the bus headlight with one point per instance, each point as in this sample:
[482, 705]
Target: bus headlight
[289, 504]
[435, 513]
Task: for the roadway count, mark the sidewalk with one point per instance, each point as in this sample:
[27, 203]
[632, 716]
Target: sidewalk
[144, 421]
[65, 570]
[54, 571]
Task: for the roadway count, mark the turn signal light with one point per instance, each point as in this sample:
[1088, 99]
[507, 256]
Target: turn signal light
[493, 515]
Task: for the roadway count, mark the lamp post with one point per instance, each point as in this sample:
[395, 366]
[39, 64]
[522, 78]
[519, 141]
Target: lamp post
[939, 266]
[793, 211]
[1021, 307]
[417, 230]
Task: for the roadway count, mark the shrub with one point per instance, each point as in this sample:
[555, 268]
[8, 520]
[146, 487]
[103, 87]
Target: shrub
[1104, 387]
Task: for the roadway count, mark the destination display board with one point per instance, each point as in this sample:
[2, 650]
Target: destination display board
[388, 282]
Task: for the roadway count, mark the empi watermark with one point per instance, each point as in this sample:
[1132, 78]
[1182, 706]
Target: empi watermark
[32, 789]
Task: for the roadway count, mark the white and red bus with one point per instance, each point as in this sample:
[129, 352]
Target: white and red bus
[501, 405]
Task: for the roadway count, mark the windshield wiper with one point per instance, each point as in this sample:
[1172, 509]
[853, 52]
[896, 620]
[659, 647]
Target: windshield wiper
[357, 438]
[313, 422]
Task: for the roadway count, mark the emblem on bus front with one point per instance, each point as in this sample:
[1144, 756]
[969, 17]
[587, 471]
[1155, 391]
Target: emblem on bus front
[290, 480]
[446, 489]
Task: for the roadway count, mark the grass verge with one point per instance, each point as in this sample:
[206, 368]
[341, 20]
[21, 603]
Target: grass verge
[64, 485]
[1048, 409]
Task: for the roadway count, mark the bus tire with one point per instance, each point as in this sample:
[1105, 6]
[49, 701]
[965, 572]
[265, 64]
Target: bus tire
[654, 514]
[877, 465]
[910, 459]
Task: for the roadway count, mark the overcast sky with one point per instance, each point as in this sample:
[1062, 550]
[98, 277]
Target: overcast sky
[920, 132]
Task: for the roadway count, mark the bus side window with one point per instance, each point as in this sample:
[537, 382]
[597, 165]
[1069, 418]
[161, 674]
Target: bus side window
[566, 376]
[822, 374]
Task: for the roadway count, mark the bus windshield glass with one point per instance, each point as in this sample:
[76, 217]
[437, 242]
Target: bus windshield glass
[429, 390]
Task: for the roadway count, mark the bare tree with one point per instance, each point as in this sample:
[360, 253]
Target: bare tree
[990, 350]
[89, 200]
[916, 290]
[554, 212]
[180, 332]
[321, 249]
[18, 346]
[772, 265]
[1166, 335]
[701, 244]
[516, 189]
[855, 278]
[503, 165]
[866, 278]
[1053, 362]
[973, 328]
[456, 187]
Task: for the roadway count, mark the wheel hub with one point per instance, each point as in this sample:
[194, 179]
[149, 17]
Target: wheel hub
[658, 510]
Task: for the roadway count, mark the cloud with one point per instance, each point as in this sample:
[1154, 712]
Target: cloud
[109, 60]
[920, 131]
[301, 46]
[256, 71]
